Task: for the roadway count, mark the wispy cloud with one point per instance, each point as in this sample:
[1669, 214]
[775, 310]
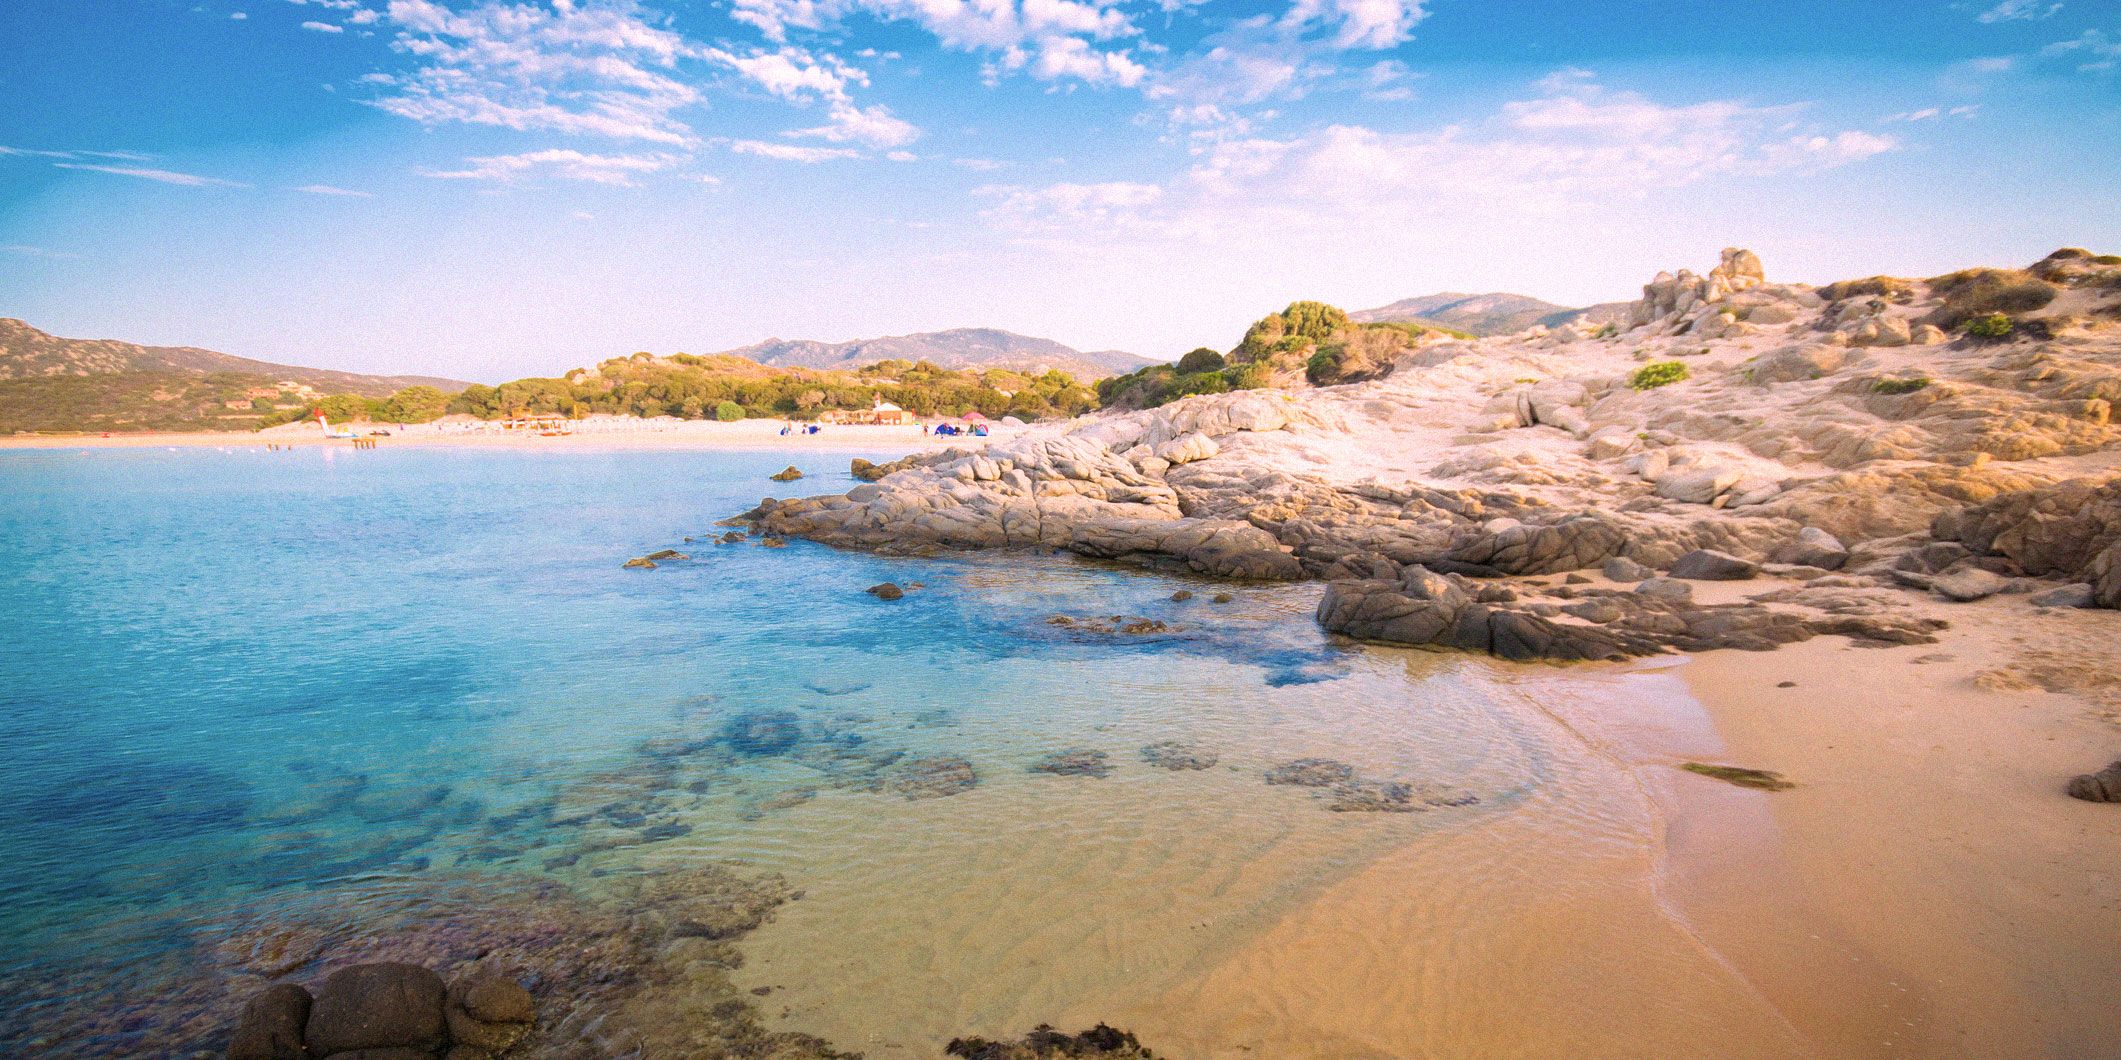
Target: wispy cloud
[28, 251]
[2092, 50]
[326, 189]
[163, 176]
[324, 27]
[562, 163]
[792, 152]
[1573, 143]
[2017, 10]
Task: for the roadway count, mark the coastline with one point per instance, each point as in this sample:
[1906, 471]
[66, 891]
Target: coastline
[1925, 889]
[748, 435]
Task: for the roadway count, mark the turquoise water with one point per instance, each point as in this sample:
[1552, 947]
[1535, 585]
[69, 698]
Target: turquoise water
[232, 676]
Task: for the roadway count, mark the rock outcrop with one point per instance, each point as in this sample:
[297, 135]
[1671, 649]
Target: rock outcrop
[1815, 431]
[385, 1010]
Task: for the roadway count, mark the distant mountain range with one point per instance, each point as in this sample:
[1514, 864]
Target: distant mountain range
[48, 383]
[956, 348]
[1496, 313]
[27, 353]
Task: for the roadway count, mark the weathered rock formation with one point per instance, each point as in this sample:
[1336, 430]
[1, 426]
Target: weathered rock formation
[1814, 431]
[385, 1011]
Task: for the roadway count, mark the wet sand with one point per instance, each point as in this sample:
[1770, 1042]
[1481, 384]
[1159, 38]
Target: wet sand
[1925, 890]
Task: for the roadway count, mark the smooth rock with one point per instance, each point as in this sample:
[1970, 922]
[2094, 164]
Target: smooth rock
[376, 1006]
[1666, 589]
[1968, 584]
[271, 1027]
[2075, 595]
[886, 591]
[489, 1012]
[1623, 569]
[1709, 565]
[2103, 786]
[1813, 548]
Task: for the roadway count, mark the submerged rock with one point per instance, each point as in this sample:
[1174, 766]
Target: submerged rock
[1310, 772]
[1075, 762]
[488, 1012]
[1176, 755]
[935, 777]
[763, 732]
[1045, 1043]
[886, 591]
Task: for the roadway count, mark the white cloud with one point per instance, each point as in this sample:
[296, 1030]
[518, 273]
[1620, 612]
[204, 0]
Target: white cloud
[2093, 49]
[1069, 204]
[902, 156]
[979, 165]
[598, 70]
[1366, 24]
[326, 189]
[2014, 10]
[323, 27]
[792, 152]
[1050, 39]
[1966, 110]
[1574, 143]
[163, 176]
[238, 16]
[874, 126]
[564, 163]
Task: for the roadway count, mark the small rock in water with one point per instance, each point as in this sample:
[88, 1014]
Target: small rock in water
[789, 474]
[1311, 773]
[732, 537]
[2103, 786]
[376, 1006]
[1176, 755]
[886, 591]
[488, 1012]
[1741, 776]
[668, 553]
[773, 542]
[763, 732]
[1045, 1043]
[271, 1027]
[1075, 762]
[1223, 598]
[1182, 596]
[639, 563]
[936, 777]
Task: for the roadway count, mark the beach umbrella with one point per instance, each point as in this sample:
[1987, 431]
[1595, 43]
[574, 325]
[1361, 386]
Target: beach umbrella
[974, 417]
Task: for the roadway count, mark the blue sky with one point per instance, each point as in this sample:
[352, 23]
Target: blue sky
[493, 189]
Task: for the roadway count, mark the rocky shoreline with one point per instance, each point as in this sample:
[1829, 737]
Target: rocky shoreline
[1839, 440]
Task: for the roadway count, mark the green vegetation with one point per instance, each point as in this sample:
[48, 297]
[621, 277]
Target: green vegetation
[1992, 326]
[1985, 292]
[1760, 779]
[695, 387]
[1200, 360]
[1312, 321]
[1892, 288]
[728, 412]
[1324, 366]
[1657, 374]
[1900, 386]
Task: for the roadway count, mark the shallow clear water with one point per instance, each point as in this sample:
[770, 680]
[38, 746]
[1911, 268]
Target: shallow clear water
[232, 676]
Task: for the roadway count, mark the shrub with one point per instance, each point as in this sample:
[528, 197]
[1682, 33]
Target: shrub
[1248, 376]
[1199, 383]
[2107, 259]
[1200, 360]
[1892, 288]
[1660, 373]
[1900, 386]
[1992, 326]
[1984, 292]
[1324, 366]
[728, 411]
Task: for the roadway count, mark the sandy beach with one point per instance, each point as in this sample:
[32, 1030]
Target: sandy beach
[602, 432]
[1925, 889]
